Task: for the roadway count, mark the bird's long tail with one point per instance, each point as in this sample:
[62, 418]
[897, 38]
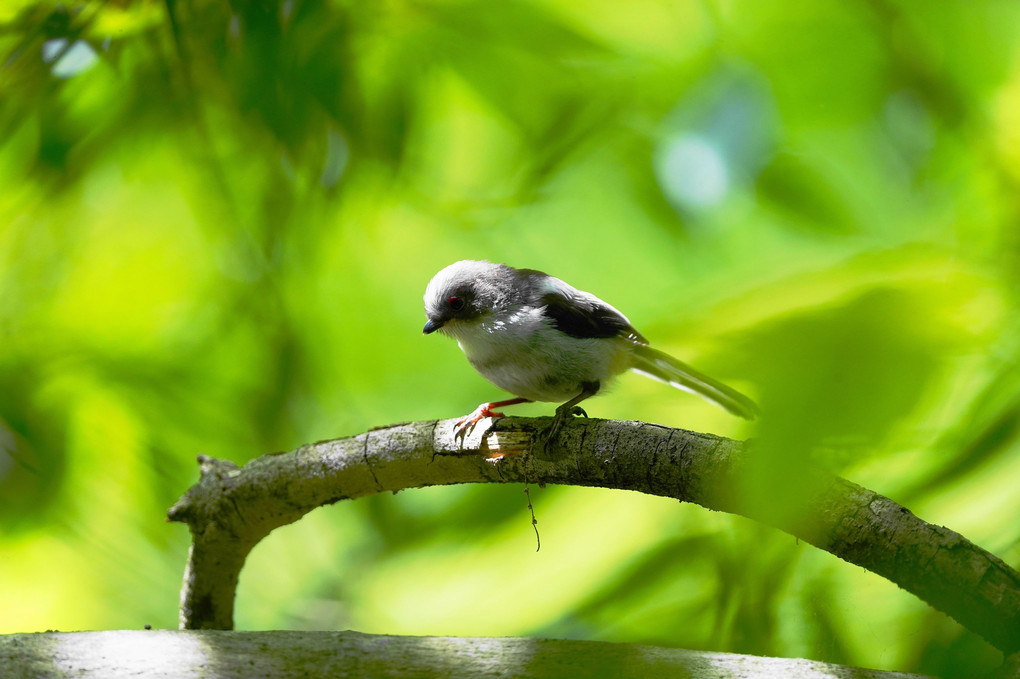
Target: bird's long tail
[664, 367]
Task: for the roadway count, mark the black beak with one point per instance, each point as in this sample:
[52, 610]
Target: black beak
[431, 326]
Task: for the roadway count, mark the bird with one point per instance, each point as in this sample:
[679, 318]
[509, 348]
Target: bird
[541, 339]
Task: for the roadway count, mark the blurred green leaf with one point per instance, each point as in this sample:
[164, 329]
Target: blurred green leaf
[215, 235]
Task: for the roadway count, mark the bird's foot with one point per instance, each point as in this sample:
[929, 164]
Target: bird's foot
[465, 425]
[561, 416]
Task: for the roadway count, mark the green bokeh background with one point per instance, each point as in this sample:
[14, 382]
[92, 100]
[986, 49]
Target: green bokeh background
[217, 221]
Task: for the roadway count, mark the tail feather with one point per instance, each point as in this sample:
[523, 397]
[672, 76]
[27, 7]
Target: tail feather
[665, 368]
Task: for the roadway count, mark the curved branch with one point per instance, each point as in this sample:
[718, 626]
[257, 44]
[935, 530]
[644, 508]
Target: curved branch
[230, 509]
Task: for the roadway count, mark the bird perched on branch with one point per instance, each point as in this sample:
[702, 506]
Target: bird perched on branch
[543, 340]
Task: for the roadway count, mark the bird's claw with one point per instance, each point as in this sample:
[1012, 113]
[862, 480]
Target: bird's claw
[466, 425]
[561, 417]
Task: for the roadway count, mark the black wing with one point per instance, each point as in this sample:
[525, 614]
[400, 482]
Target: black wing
[580, 314]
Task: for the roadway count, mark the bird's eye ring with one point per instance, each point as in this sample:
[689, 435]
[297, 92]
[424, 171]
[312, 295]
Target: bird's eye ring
[455, 303]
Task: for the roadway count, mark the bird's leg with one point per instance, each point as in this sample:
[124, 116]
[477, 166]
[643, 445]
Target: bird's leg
[466, 424]
[588, 389]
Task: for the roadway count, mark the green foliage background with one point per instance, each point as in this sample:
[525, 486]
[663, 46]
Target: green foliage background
[217, 221]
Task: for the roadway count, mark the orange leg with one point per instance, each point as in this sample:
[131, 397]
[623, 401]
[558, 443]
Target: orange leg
[466, 424]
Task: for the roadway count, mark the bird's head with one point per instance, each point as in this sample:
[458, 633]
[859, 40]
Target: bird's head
[464, 293]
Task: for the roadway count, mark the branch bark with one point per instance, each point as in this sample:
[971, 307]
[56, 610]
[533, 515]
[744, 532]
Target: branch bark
[294, 655]
[230, 509]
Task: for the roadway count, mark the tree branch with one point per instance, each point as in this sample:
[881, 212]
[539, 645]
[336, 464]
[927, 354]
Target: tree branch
[230, 509]
[297, 655]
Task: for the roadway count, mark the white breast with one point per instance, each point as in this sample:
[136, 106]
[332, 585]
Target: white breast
[523, 354]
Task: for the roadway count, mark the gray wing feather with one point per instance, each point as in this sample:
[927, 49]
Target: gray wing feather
[577, 313]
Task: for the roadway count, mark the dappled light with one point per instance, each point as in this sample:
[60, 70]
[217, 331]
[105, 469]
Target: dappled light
[155, 653]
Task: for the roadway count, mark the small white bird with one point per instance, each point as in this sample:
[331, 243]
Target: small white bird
[544, 340]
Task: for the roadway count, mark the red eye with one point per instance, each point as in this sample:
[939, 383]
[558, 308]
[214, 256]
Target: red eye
[455, 303]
